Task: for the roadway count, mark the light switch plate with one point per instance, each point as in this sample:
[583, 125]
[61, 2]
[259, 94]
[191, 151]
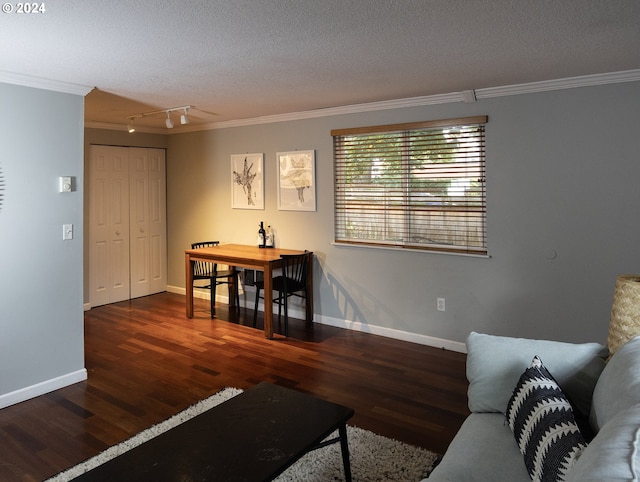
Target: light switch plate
[67, 231]
[65, 183]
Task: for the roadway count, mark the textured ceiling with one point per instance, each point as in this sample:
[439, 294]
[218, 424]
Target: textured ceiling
[238, 59]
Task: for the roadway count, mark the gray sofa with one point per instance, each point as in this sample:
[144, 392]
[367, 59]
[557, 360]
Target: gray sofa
[605, 396]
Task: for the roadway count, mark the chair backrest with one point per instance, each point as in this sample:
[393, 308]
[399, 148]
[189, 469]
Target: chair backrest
[295, 268]
[203, 268]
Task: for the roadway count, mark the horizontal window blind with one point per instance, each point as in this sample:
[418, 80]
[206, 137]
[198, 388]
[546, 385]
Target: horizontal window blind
[417, 185]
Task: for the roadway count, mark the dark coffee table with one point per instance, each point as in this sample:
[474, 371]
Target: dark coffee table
[254, 436]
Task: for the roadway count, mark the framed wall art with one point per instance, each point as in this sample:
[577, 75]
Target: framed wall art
[297, 181]
[247, 181]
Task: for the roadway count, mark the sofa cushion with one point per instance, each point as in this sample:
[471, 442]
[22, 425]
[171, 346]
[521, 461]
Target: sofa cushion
[543, 424]
[619, 385]
[614, 454]
[495, 363]
[482, 450]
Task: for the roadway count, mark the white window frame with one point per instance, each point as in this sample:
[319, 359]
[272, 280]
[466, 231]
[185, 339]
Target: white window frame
[417, 185]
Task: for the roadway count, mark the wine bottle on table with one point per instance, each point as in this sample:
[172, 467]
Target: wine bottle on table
[261, 236]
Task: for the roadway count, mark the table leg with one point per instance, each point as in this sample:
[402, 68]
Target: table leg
[309, 301]
[233, 289]
[345, 452]
[189, 284]
[268, 302]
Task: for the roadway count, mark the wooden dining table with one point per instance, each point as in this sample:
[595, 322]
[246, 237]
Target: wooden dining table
[265, 259]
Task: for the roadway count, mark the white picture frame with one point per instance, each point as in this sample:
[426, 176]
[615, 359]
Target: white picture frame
[297, 180]
[247, 181]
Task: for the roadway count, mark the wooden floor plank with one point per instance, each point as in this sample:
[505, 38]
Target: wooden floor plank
[146, 361]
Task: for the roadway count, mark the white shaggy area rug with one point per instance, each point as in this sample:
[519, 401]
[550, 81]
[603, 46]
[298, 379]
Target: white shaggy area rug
[373, 457]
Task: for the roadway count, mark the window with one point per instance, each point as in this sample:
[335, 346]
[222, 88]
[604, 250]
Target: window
[418, 185]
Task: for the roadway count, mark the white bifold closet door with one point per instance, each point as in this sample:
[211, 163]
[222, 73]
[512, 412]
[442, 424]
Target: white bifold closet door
[128, 241]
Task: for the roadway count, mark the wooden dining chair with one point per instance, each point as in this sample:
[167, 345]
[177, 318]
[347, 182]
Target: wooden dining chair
[204, 270]
[292, 282]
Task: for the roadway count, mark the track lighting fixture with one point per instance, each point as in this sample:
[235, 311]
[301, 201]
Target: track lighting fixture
[168, 122]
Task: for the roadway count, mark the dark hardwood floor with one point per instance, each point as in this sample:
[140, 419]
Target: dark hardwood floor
[146, 361]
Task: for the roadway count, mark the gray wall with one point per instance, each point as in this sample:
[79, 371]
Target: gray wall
[562, 177]
[41, 315]
[563, 211]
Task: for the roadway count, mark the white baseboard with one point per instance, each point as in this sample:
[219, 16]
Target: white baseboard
[41, 388]
[392, 333]
[176, 289]
[349, 325]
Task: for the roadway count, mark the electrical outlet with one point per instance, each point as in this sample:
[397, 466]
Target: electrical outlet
[441, 305]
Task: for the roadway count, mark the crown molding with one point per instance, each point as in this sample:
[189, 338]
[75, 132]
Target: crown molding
[341, 110]
[518, 89]
[559, 84]
[486, 93]
[46, 84]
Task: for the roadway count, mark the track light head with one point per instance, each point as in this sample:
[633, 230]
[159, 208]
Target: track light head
[184, 118]
[130, 127]
[169, 122]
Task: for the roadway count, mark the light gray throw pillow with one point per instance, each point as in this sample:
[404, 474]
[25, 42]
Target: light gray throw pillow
[619, 385]
[614, 454]
[495, 363]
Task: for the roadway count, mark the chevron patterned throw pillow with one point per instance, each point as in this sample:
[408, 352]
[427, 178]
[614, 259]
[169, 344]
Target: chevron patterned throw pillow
[543, 424]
